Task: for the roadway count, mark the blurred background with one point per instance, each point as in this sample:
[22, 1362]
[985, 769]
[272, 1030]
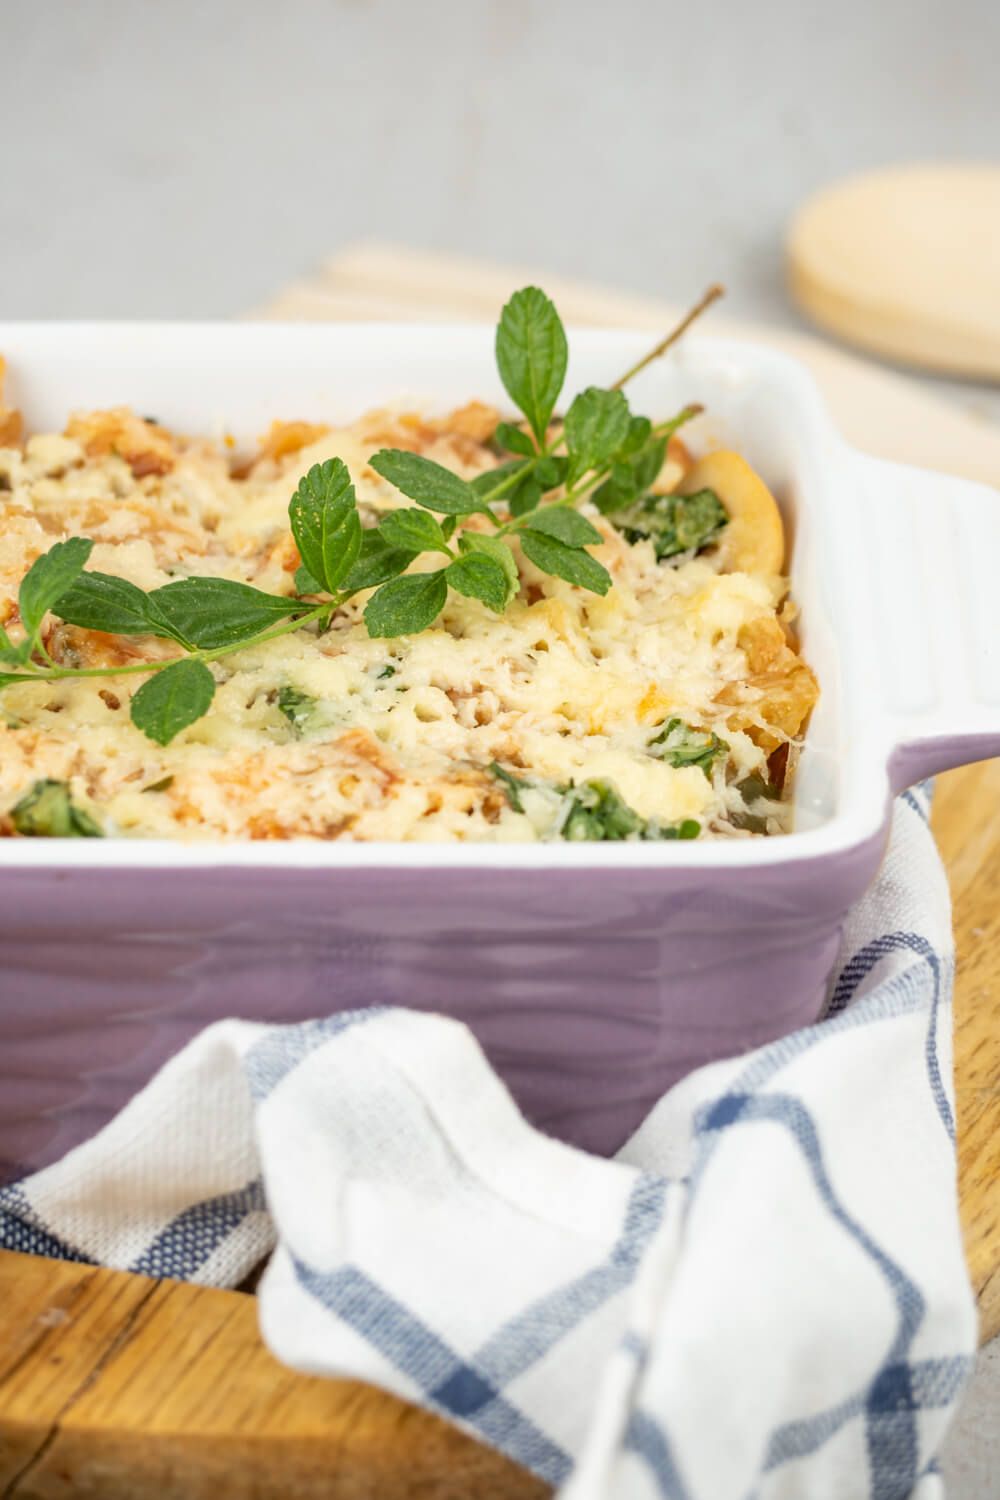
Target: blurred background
[184, 160]
[189, 159]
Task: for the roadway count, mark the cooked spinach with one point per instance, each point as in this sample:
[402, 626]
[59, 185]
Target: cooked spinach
[594, 811]
[679, 745]
[512, 785]
[48, 812]
[673, 523]
[298, 708]
[756, 789]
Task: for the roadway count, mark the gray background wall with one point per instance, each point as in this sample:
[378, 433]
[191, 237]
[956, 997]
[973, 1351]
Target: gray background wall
[182, 159]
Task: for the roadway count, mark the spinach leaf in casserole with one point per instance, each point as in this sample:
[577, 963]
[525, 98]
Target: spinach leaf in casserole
[594, 811]
[675, 524]
[679, 745]
[512, 785]
[49, 812]
[591, 811]
[297, 707]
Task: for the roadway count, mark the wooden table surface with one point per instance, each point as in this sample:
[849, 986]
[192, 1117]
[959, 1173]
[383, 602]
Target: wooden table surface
[113, 1386]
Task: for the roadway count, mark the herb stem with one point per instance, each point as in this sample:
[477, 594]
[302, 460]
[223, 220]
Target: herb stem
[715, 291]
[327, 607]
[510, 481]
[56, 673]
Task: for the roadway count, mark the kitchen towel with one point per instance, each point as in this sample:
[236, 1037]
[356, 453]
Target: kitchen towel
[762, 1296]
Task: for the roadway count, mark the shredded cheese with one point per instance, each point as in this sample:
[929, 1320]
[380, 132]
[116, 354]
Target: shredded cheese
[565, 687]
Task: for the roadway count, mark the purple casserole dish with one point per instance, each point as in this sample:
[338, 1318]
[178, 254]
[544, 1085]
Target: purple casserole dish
[594, 976]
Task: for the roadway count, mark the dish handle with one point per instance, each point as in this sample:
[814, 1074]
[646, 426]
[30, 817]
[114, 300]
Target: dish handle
[934, 592]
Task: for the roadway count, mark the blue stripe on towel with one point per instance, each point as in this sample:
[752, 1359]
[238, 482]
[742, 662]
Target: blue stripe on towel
[181, 1249]
[450, 1383]
[22, 1230]
[282, 1049]
[535, 1331]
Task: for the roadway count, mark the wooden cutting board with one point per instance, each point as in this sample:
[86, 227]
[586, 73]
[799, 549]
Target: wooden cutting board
[113, 1386]
[904, 262]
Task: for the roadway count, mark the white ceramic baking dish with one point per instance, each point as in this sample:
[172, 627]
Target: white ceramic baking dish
[593, 975]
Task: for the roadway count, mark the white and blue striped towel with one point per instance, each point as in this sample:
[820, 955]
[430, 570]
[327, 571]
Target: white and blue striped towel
[763, 1296]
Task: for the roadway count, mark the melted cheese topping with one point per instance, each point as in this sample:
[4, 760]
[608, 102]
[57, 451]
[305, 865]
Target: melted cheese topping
[564, 687]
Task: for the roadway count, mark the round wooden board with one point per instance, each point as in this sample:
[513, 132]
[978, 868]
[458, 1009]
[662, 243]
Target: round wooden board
[904, 262]
[113, 1386]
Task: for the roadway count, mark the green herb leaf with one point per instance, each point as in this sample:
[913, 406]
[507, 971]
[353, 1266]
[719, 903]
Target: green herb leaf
[305, 583]
[513, 439]
[172, 699]
[531, 355]
[565, 524]
[638, 462]
[99, 601]
[48, 812]
[647, 463]
[521, 497]
[413, 531]
[212, 613]
[551, 470]
[480, 577]
[48, 578]
[525, 497]
[429, 484]
[325, 522]
[377, 563]
[597, 424]
[491, 546]
[639, 430]
[8, 651]
[631, 477]
[407, 605]
[571, 563]
[679, 745]
[617, 492]
[674, 523]
[512, 785]
[485, 483]
[297, 707]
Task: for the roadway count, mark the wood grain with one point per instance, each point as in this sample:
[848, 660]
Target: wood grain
[966, 820]
[113, 1386]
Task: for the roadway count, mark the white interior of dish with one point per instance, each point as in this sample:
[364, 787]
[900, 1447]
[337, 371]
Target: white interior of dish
[236, 378]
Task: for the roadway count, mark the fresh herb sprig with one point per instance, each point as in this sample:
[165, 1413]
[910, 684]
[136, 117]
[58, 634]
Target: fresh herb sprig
[601, 451]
